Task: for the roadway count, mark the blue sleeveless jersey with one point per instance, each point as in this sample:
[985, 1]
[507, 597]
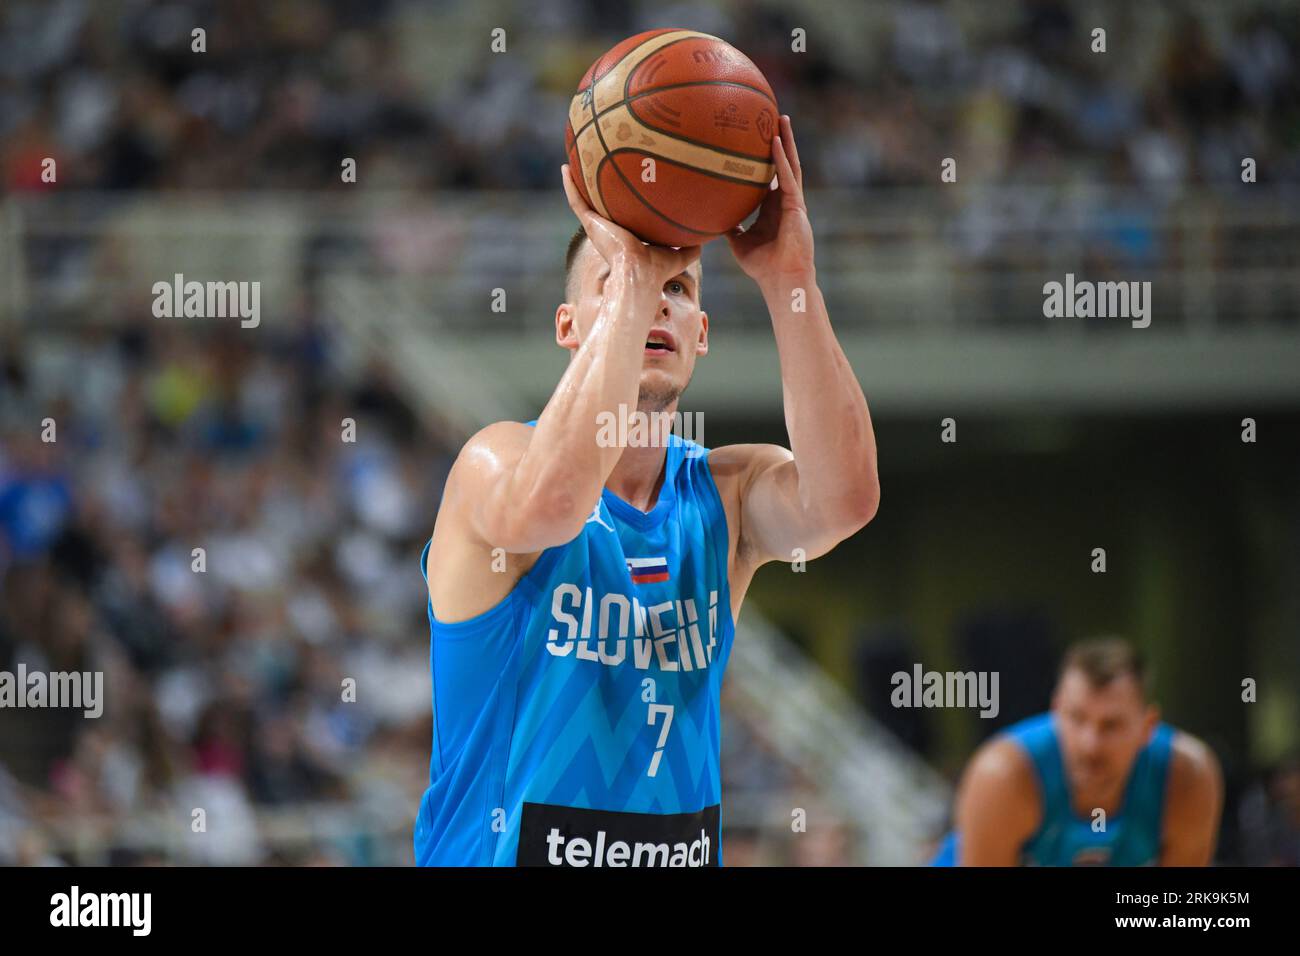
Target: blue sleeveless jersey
[1131, 838]
[577, 722]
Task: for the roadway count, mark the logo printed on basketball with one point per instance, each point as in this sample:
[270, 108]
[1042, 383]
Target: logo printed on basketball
[719, 55]
[655, 66]
[730, 118]
[764, 125]
[624, 132]
[656, 112]
[743, 169]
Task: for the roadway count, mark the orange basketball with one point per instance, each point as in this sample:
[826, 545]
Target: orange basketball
[670, 136]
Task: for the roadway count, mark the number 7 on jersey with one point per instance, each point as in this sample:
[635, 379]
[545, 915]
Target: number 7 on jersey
[655, 710]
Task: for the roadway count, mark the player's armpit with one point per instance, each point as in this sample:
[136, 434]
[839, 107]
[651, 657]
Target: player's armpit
[776, 523]
[1193, 804]
[506, 502]
[998, 805]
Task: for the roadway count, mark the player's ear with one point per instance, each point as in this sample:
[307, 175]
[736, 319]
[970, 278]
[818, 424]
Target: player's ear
[702, 348]
[1151, 719]
[566, 330]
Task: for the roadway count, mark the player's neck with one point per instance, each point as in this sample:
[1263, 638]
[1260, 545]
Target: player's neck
[1111, 801]
[638, 476]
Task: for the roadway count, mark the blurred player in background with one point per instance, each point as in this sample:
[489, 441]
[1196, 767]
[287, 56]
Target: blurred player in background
[583, 592]
[1098, 780]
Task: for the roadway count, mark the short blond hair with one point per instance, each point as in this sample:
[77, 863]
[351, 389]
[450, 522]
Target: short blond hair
[1105, 659]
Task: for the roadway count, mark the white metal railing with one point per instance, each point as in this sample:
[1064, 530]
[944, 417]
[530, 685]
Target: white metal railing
[908, 260]
[890, 796]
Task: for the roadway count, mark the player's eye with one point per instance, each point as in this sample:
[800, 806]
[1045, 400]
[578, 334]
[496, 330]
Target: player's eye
[676, 287]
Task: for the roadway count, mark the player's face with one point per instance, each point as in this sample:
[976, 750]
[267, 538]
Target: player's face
[679, 329]
[1101, 729]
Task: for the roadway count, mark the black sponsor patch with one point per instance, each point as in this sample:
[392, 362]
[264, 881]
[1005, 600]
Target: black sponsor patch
[551, 835]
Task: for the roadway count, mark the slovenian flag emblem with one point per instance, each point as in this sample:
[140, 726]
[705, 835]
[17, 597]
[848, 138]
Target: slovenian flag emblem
[647, 570]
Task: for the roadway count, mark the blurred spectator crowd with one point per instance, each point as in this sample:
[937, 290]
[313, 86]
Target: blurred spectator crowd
[224, 669]
[286, 89]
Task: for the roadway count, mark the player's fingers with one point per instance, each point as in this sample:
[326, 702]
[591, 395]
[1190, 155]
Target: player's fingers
[787, 137]
[769, 214]
[681, 259]
[668, 262]
[784, 174]
[576, 202]
[736, 236]
[605, 236]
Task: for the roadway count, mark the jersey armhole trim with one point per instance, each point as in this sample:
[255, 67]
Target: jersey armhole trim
[460, 630]
[719, 529]
[1040, 774]
[1162, 752]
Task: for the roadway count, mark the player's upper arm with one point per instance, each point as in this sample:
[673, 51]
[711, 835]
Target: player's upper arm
[1193, 803]
[503, 500]
[999, 805]
[775, 518]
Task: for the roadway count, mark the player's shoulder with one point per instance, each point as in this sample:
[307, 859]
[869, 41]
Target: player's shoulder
[741, 463]
[1194, 781]
[1192, 761]
[1001, 761]
[491, 451]
[496, 440]
[1000, 786]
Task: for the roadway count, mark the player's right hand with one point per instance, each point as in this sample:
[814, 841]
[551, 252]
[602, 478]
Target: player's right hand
[621, 248]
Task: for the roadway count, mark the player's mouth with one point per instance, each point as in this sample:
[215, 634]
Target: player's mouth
[1090, 770]
[660, 342]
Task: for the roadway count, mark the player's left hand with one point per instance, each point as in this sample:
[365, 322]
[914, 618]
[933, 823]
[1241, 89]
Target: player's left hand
[779, 244]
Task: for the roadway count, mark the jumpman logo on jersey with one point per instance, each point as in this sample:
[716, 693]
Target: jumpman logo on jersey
[595, 516]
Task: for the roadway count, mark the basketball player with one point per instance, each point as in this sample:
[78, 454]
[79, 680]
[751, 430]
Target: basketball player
[1098, 780]
[583, 595]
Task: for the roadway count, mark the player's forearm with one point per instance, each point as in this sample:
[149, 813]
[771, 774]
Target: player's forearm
[826, 412]
[603, 378]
